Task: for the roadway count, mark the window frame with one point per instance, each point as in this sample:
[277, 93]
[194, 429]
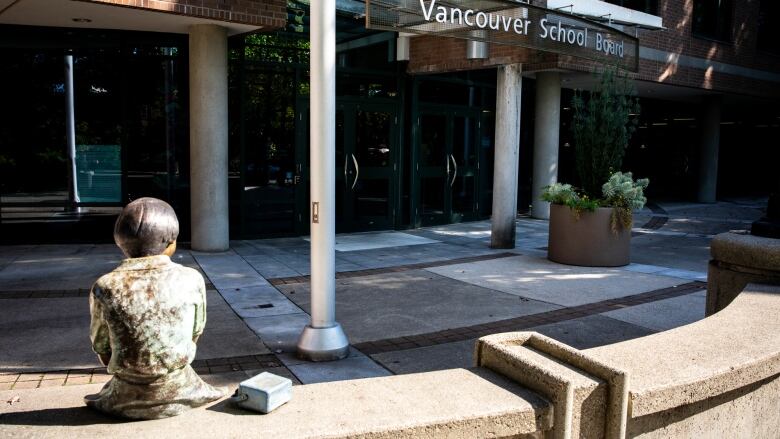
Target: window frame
[710, 37]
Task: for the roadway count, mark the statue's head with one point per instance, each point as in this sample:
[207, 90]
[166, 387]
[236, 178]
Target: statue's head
[147, 227]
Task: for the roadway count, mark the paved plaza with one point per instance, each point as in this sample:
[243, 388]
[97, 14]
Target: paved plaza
[410, 301]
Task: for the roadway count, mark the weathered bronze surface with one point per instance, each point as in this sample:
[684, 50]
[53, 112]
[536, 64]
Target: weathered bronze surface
[147, 315]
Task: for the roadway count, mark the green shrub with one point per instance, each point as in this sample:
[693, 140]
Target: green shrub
[624, 195]
[566, 195]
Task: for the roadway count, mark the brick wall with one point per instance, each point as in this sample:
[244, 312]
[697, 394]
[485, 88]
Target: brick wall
[270, 14]
[434, 54]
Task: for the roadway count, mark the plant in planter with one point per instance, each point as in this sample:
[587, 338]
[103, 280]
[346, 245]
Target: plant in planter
[591, 226]
[602, 126]
[624, 195]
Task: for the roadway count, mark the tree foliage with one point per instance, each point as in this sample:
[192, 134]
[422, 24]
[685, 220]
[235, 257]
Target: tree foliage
[604, 122]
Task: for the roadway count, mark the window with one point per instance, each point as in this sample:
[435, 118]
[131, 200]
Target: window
[768, 14]
[712, 19]
[646, 6]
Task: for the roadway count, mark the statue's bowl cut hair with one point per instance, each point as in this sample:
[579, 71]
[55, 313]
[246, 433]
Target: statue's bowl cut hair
[146, 227]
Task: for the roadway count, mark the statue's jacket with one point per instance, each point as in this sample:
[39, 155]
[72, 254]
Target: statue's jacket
[147, 315]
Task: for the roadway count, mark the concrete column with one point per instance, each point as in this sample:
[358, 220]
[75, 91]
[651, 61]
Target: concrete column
[507, 147]
[708, 149]
[209, 137]
[546, 135]
[323, 339]
[402, 46]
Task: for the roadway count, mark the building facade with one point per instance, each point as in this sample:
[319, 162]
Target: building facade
[205, 104]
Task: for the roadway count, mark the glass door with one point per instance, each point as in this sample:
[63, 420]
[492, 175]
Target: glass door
[465, 164]
[366, 166]
[371, 161]
[434, 168]
[447, 165]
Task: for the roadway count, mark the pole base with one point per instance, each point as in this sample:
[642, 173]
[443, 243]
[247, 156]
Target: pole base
[323, 344]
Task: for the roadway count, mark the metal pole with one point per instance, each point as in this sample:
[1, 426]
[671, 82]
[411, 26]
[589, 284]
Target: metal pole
[70, 135]
[323, 339]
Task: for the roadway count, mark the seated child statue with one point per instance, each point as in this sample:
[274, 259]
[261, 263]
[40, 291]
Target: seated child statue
[147, 315]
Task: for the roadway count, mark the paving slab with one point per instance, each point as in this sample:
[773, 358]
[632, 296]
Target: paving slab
[270, 268]
[291, 358]
[258, 301]
[53, 334]
[664, 314]
[438, 357]
[644, 268]
[226, 335]
[413, 302]
[59, 267]
[347, 369]
[684, 253]
[228, 270]
[45, 334]
[591, 331]
[279, 333]
[540, 279]
[367, 241]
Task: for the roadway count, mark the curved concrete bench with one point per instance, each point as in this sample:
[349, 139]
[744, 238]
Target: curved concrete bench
[739, 259]
[456, 403]
[717, 377]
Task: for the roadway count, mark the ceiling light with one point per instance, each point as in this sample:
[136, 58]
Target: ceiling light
[82, 20]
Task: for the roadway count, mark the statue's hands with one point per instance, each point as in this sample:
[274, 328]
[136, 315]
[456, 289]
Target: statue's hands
[104, 358]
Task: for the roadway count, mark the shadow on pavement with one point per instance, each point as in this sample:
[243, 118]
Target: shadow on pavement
[71, 416]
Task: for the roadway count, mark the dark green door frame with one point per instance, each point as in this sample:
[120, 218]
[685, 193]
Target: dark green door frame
[445, 164]
[367, 196]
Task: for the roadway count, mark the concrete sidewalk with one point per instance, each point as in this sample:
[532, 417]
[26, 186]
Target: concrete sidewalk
[409, 301]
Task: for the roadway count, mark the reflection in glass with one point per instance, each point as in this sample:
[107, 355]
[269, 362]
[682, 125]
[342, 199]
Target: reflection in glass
[432, 192]
[268, 193]
[372, 145]
[433, 144]
[372, 198]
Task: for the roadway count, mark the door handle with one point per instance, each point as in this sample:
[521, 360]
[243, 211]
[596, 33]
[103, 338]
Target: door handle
[455, 174]
[448, 167]
[357, 170]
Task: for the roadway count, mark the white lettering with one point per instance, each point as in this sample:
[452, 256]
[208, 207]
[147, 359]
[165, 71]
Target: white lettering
[441, 16]
[484, 20]
[490, 21]
[457, 11]
[543, 24]
[466, 17]
[507, 21]
[427, 14]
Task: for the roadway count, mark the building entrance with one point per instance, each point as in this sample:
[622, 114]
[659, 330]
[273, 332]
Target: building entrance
[366, 165]
[447, 165]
